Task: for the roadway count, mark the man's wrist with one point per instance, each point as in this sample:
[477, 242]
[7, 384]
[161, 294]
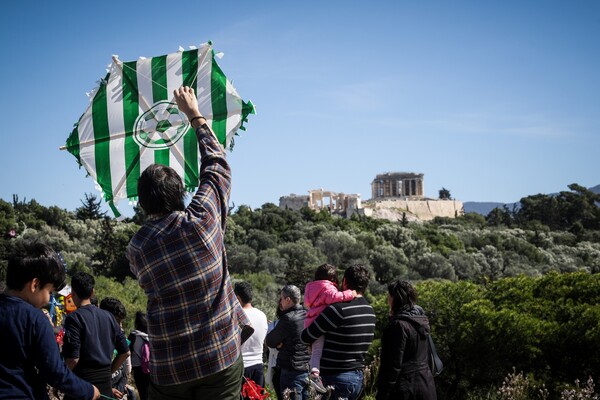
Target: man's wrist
[197, 120]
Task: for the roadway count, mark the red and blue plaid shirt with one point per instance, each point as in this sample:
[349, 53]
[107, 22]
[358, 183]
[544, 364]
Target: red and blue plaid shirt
[179, 259]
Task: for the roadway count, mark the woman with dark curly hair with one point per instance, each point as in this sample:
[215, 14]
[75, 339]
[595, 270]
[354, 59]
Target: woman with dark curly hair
[405, 372]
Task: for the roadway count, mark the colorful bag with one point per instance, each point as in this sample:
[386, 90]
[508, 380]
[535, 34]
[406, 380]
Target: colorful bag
[145, 357]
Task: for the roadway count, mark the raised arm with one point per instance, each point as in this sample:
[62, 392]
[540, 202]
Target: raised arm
[214, 187]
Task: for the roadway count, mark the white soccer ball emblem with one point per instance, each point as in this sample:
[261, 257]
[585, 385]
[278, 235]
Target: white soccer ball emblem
[161, 126]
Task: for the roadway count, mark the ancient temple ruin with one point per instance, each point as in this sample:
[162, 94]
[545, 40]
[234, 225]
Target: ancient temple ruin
[408, 185]
[318, 199]
[396, 196]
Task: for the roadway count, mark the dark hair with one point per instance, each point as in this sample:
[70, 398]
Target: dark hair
[244, 291]
[326, 272]
[115, 307]
[404, 295]
[140, 322]
[31, 259]
[357, 277]
[160, 190]
[82, 284]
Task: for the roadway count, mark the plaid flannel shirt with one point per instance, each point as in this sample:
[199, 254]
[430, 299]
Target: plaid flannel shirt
[193, 314]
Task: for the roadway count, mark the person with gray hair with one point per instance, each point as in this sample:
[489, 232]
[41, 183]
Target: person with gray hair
[294, 356]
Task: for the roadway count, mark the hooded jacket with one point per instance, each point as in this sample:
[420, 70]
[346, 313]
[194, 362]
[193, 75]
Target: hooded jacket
[319, 294]
[405, 372]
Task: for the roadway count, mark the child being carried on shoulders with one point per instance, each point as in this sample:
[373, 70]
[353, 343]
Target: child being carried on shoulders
[318, 294]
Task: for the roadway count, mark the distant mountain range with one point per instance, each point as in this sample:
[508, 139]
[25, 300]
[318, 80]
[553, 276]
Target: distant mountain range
[484, 207]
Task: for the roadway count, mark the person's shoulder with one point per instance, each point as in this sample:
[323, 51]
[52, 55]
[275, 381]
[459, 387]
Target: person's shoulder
[286, 317]
[294, 314]
[357, 302]
[260, 313]
[18, 308]
[75, 315]
[12, 301]
[106, 315]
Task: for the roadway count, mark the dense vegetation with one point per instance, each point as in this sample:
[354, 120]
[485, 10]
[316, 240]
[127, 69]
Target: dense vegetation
[518, 288]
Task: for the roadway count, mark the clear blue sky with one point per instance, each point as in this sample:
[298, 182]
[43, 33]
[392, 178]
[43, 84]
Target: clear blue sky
[494, 100]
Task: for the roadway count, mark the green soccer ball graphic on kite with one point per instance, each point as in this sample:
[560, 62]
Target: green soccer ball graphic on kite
[161, 126]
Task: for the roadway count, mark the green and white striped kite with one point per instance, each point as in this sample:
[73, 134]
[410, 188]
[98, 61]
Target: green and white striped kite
[132, 120]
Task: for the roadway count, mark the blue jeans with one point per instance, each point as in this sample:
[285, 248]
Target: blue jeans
[256, 373]
[296, 381]
[346, 385]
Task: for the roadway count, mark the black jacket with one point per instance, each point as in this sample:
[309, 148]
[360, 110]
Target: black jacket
[405, 372]
[293, 354]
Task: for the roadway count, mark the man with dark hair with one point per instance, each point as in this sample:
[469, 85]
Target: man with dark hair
[194, 319]
[349, 329]
[293, 355]
[30, 358]
[252, 349]
[160, 190]
[91, 335]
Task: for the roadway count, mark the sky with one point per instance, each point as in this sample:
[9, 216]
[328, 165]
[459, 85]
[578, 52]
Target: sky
[493, 100]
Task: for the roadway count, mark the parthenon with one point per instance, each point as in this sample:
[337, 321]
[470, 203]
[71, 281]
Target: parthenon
[398, 184]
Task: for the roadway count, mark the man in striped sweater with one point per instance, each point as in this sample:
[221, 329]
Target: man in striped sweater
[348, 329]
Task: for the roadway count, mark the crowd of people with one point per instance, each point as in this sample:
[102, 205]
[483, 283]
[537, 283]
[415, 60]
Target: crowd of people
[201, 337]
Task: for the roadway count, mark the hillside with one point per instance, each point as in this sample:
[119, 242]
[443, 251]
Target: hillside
[485, 207]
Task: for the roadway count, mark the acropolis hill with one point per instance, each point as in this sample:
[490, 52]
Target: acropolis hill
[394, 196]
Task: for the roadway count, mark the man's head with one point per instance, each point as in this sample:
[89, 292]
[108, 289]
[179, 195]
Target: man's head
[34, 260]
[243, 290]
[82, 285]
[115, 307]
[160, 190]
[356, 278]
[289, 297]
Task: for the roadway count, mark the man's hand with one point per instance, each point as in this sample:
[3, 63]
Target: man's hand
[71, 363]
[187, 101]
[96, 393]
[117, 394]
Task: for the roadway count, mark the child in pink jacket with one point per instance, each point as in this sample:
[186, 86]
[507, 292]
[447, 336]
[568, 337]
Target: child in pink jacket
[318, 294]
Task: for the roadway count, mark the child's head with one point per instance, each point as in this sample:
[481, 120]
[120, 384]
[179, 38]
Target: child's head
[326, 272]
[34, 260]
[82, 284]
[115, 307]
